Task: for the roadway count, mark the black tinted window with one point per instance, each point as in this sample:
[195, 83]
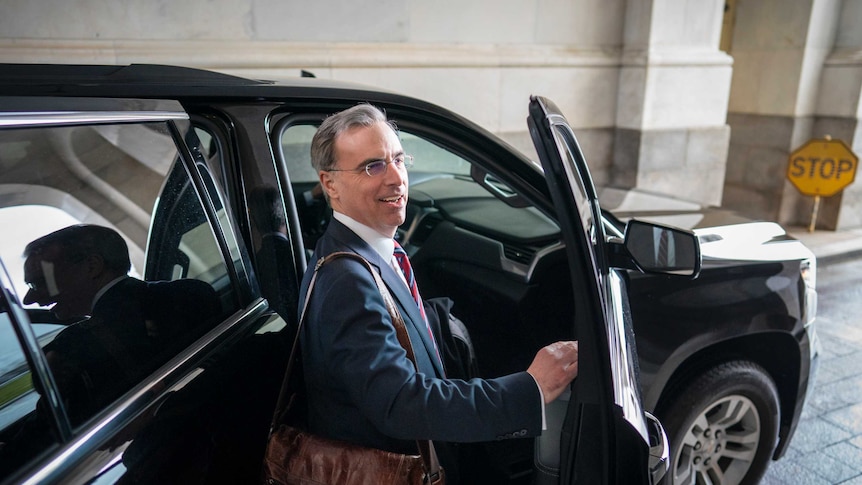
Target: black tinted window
[116, 304]
[26, 428]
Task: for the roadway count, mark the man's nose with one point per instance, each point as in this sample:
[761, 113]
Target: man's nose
[395, 175]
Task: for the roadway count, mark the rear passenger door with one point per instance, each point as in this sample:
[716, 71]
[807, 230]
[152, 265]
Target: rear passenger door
[196, 407]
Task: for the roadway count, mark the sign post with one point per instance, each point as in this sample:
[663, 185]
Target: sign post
[821, 168]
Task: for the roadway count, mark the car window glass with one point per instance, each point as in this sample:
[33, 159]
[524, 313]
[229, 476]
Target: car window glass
[182, 244]
[438, 173]
[428, 157]
[589, 217]
[128, 180]
[212, 167]
[41, 219]
[296, 146]
[209, 146]
[25, 429]
[272, 253]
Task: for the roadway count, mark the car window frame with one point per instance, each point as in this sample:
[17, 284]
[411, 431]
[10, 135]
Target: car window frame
[208, 190]
[60, 463]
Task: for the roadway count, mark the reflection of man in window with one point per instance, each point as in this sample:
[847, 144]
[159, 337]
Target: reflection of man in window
[82, 271]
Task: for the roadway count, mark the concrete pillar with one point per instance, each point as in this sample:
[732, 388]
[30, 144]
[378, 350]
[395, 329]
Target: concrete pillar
[671, 133]
[791, 82]
[839, 111]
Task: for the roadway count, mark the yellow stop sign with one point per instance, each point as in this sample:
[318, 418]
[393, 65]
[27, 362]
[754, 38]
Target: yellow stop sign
[822, 167]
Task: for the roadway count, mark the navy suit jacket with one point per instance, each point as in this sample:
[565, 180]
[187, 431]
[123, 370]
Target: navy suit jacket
[361, 386]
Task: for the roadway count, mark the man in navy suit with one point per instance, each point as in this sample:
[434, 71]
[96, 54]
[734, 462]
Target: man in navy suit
[361, 386]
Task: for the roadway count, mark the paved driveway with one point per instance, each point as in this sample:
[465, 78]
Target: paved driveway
[827, 447]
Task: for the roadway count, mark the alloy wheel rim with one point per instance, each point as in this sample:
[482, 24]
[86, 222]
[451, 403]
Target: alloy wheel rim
[720, 445]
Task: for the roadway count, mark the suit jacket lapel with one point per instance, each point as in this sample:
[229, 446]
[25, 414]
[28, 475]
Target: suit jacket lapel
[395, 283]
[410, 313]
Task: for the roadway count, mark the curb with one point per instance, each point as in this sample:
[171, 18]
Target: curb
[836, 258]
[830, 247]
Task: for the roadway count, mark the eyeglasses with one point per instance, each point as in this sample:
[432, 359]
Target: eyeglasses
[378, 167]
[36, 285]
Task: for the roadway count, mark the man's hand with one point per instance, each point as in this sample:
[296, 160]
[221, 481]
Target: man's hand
[554, 367]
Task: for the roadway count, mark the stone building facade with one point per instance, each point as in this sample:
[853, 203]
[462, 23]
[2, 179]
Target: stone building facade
[701, 99]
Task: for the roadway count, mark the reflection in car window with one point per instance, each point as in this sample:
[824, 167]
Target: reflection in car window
[40, 219]
[102, 327]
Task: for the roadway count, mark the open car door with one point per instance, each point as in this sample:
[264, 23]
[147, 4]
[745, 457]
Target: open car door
[606, 437]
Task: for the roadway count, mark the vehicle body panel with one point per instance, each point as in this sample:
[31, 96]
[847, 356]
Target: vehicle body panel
[678, 322]
[765, 314]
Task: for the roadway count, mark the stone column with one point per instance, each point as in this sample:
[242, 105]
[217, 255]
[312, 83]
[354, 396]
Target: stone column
[838, 113]
[791, 83]
[672, 135]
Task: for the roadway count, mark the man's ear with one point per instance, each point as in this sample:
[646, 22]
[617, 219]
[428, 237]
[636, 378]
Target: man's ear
[327, 183]
[94, 265]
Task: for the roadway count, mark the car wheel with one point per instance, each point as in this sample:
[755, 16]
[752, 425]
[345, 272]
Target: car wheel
[723, 426]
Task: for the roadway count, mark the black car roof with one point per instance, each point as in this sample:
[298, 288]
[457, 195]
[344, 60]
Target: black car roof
[152, 80]
[188, 84]
[53, 74]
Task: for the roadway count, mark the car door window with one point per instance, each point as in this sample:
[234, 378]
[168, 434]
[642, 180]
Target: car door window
[429, 157]
[432, 158]
[272, 252]
[296, 147]
[431, 161]
[26, 428]
[183, 242]
[129, 180]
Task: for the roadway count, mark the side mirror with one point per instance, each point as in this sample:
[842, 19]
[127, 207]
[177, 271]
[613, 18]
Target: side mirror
[663, 249]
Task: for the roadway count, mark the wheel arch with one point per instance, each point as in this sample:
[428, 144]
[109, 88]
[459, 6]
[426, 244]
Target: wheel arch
[778, 353]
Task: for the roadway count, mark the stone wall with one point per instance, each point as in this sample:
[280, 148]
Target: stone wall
[655, 103]
[797, 75]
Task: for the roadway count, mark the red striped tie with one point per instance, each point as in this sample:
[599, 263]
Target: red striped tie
[407, 270]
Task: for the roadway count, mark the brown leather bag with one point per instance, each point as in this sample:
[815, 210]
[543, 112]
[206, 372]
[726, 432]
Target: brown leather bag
[297, 457]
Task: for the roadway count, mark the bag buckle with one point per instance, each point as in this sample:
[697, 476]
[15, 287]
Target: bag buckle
[435, 478]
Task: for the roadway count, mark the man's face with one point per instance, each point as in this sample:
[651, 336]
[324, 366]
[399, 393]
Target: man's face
[379, 202]
[55, 281]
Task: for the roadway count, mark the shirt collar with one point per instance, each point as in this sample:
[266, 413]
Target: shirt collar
[105, 288]
[384, 245]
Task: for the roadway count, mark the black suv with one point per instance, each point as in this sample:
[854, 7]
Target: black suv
[196, 170]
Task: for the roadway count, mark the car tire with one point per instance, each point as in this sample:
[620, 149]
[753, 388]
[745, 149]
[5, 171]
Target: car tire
[723, 426]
